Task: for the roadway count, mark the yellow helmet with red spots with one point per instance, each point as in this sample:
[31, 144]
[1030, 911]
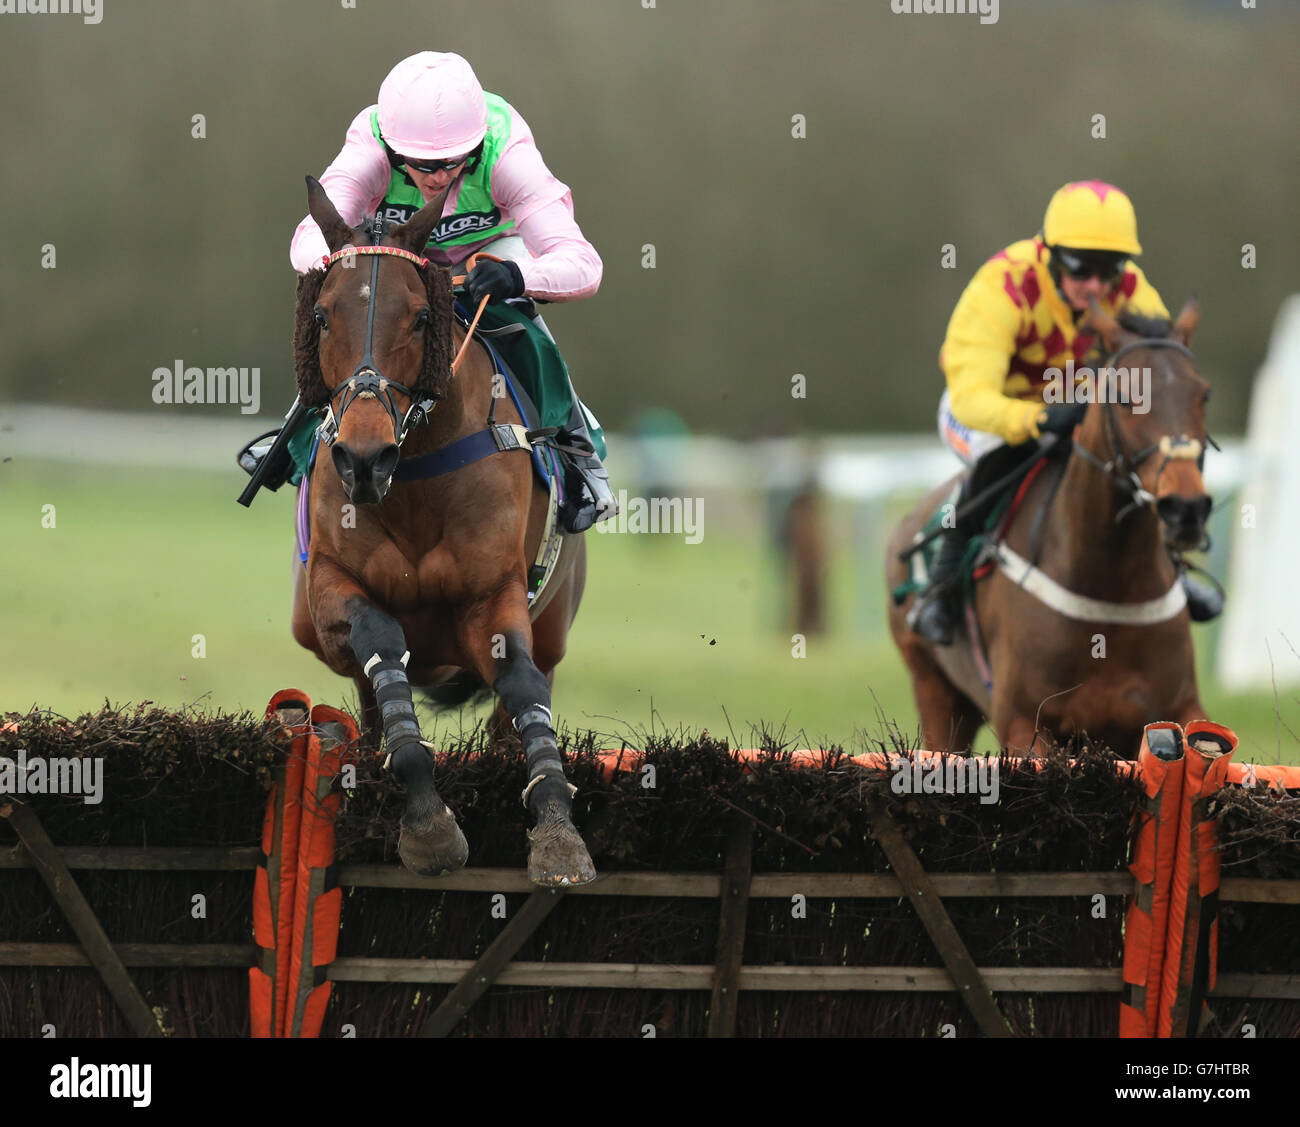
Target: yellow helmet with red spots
[1092, 215]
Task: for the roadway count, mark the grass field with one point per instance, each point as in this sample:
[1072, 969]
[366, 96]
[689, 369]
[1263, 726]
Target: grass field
[106, 604]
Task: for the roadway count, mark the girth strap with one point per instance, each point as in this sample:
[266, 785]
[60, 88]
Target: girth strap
[464, 451]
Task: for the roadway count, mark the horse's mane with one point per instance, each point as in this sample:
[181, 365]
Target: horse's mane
[1144, 326]
[435, 370]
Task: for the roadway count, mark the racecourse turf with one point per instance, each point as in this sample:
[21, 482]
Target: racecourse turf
[108, 602]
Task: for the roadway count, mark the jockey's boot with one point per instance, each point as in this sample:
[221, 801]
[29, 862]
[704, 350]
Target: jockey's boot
[935, 611]
[588, 497]
[1204, 600]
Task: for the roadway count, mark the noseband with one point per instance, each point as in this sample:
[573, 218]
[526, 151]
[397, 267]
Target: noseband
[1123, 469]
[366, 381]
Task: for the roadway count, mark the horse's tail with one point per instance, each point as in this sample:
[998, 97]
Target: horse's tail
[464, 687]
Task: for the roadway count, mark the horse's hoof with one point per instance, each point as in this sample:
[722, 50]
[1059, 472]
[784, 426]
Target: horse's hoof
[434, 849]
[557, 857]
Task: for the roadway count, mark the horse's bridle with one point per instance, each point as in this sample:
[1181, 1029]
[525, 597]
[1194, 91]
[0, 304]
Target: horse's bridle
[1123, 469]
[366, 381]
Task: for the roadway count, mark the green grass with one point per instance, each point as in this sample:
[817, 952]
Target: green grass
[106, 605]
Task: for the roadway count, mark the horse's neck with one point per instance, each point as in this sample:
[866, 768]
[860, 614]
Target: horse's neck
[1090, 552]
[464, 409]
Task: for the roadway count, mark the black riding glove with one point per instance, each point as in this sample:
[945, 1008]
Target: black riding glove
[1061, 418]
[500, 280]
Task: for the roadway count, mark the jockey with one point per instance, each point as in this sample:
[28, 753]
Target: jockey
[1018, 316]
[433, 126]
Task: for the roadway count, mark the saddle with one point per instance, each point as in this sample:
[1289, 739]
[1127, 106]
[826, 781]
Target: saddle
[989, 499]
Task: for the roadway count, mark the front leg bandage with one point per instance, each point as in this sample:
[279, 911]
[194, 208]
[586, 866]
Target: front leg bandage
[541, 751]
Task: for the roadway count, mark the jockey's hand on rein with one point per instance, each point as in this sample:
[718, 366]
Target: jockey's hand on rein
[501, 280]
[1061, 418]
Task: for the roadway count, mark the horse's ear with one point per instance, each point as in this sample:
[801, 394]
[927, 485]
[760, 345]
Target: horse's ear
[1112, 332]
[414, 233]
[337, 233]
[1188, 318]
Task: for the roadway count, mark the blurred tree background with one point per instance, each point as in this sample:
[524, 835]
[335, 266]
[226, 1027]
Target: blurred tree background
[672, 125]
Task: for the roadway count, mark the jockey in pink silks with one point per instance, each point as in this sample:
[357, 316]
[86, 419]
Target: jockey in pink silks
[434, 125]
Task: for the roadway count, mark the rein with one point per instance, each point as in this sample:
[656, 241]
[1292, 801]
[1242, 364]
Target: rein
[366, 381]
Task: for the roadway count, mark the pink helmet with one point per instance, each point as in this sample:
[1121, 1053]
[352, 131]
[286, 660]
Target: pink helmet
[431, 107]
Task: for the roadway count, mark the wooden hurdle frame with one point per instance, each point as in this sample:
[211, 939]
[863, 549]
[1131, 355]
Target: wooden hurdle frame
[733, 888]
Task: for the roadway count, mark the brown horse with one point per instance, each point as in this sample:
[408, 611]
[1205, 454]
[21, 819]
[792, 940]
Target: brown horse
[424, 582]
[1095, 639]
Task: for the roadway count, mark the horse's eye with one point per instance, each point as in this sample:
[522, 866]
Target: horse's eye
[421, 318]
[1205, 399]
[319, 314]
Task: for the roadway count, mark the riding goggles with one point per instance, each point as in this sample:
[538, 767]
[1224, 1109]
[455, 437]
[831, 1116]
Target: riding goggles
[1081, 265]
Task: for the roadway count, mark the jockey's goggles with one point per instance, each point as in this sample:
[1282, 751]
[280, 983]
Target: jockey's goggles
[1080, 265]
[397, 160]
[433, 165]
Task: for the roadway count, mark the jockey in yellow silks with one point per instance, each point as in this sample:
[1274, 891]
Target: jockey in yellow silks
[1018, 318]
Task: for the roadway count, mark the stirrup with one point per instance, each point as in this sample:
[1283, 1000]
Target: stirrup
[255, 452]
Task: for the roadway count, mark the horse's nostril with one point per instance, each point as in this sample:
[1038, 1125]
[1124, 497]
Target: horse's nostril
[343, 462]
[384, 464]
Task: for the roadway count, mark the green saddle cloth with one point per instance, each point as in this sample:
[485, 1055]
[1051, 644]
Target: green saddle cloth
[974, 549]
[533, 359]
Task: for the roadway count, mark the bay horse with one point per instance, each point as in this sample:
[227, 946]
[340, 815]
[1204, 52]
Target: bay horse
[424, 582]
[1083, 619]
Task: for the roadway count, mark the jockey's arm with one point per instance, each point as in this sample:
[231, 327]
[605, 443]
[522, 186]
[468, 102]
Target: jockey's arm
[355, 183]
[976, 354]
[564, 266]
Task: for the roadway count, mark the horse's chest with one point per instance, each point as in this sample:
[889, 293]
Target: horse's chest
[1092, 693]
[404, 584]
